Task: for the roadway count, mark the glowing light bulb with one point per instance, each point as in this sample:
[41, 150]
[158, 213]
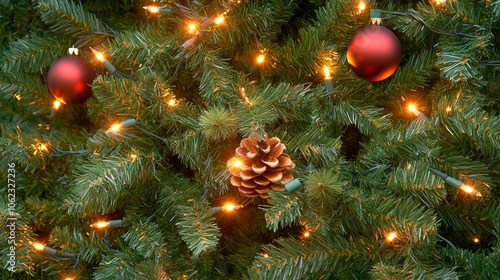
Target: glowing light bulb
[266, 255]
[100, 225]
[69, 278]
[17, 96]
[38, 246]
[219, 20]
[192, 28]
[171, 102]
[99, 56]
[448, 109]
[307, 234]
[361, 6]
[470, 190]
[326, 71]
[412, 108]
[152, 9]
[236, 162]
[114, 128]
[56, 105]
[391, 236]
[260, 59]
[229, 207]
[476, 240]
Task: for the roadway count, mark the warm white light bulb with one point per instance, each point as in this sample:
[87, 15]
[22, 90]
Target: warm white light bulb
[152, 9]
[361, 6]
[229, 207]
[114, 128]
[56, 105]
[260, 59]
[219, 20]
[391, 236]
[237, 162]
[326, 71]
[100, 225]
[38, 246]
[470, 190]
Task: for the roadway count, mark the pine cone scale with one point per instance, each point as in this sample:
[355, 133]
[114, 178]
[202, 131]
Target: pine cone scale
[264, 166]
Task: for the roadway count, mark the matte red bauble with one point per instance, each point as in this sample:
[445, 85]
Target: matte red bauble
[374, 53]
[69, 79]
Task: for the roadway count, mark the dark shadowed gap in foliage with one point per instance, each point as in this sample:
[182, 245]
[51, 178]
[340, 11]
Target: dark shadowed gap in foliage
[466, 240]
[351, 140]
[304, 13]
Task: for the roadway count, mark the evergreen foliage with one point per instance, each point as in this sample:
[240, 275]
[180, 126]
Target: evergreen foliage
[364, 161]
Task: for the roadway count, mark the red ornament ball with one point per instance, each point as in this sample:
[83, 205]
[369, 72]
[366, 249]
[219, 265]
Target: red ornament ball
[69, 79]
[374, 53]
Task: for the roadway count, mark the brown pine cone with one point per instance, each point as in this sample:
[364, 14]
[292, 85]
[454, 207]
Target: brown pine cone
[263, 166]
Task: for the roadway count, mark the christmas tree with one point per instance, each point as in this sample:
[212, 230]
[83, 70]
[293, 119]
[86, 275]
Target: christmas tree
[309, 139]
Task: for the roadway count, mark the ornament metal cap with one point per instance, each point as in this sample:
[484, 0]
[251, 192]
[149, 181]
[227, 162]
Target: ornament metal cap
[376, 16]
[293, 185]
[73, 50]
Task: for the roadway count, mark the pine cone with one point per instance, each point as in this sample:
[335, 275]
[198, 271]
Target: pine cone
[263, 167]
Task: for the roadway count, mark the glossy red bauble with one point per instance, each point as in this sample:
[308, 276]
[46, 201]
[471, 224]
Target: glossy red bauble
[70, 78]
[374, 53]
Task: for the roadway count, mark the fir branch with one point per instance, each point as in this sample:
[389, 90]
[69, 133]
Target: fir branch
[415, 179]
[68, 18]
[367, 119]
[283, 210]
[145, 237]
[218, 124]
[324, 188]
[291, 259]
[312, 144]
[197, 228]
[217, 81]
[146, 49]
[102, 188]
[33, 55]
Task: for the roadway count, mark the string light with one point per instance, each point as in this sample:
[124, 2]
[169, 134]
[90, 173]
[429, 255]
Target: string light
[51, 251]
[236, 162]
[260, 59]
[470, 190]
[476, 240]
[110, 67]
[56, 105]
[192, 28]
[117, 127]
[40, 148]
[228, 207]
[266, 255]
[17, 96]
[448, 109]
[172, 102]
[107, 224]
[391, 236]
[456, 183]
[69, 278]
[152, 9]
[418, 114]
[38, 246]
[328, 79]
[219, 20]
[307, 234]
[362, 6]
